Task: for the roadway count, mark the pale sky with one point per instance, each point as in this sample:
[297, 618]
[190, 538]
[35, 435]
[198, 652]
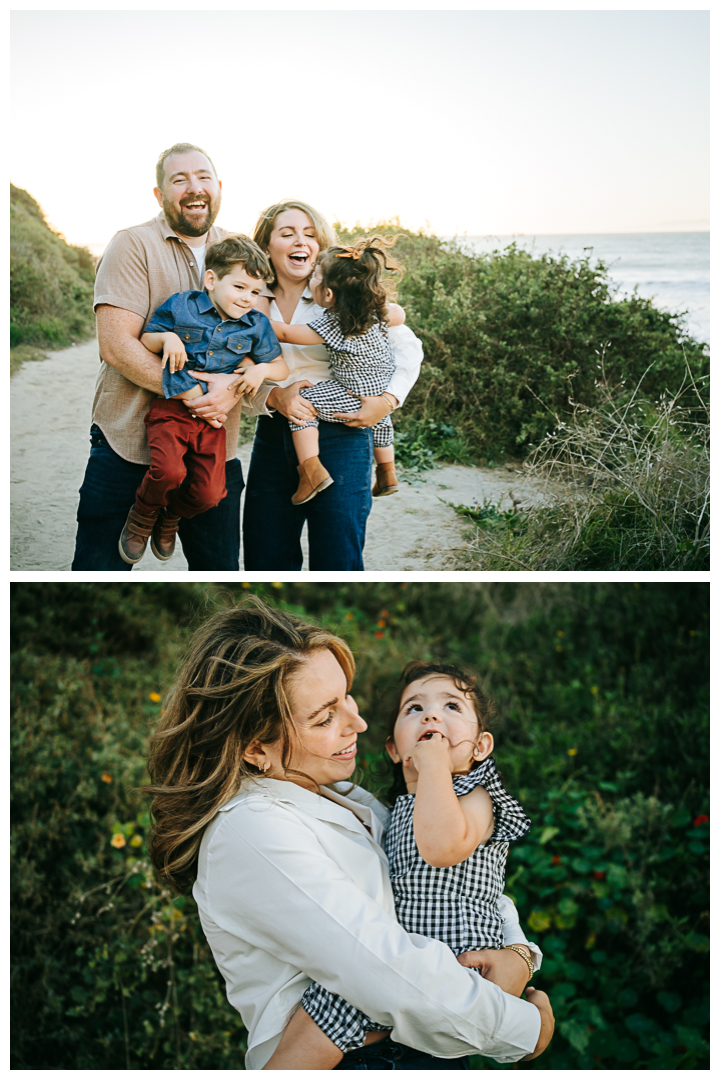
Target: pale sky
[478, 122]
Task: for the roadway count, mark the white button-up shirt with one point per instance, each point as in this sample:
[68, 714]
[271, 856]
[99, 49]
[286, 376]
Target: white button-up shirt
[294, 887]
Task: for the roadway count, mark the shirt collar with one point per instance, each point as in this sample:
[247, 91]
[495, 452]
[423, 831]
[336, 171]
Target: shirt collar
[267, 291]
[333, 808]
[206, 305]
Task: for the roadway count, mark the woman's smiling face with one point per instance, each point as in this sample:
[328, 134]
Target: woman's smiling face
[327, 722]
[293, 246]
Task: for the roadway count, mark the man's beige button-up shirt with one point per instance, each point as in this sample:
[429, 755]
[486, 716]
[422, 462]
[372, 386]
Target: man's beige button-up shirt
[141, 267]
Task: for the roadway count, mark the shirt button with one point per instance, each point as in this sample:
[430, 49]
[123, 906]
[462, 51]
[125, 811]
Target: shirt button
[187, 337]
[210, 353]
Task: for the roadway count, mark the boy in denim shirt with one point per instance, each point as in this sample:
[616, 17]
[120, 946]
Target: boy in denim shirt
[216, 330]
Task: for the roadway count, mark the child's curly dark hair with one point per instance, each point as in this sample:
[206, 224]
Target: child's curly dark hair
[420, 669]
[355, 272]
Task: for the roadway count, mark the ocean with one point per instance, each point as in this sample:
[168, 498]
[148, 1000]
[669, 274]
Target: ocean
[673, 269]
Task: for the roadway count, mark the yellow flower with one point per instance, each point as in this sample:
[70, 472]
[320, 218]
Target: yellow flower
[572, 752]
[155, 696]
[349, 615]
[277, 584]
[593, 689]
[560, 633]
[106, 778]
[558, 648]
[381, 623]
[246, 584]
[136, 841]
[118, 840]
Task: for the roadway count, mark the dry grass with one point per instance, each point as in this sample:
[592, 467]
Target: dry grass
[637, 473]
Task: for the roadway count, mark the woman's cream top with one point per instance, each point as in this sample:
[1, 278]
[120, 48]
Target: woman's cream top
[294, 887]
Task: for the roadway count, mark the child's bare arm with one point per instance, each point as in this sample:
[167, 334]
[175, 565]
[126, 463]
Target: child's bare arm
[252, 375]
[395, 315]
[170, 345]
[296, 335]
[447, 828]
[304, 1046]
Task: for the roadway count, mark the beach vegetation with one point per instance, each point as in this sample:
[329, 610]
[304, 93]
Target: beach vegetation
[51, 281]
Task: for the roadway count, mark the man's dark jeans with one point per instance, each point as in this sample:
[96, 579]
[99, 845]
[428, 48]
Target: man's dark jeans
[336, 518]
[210, 541]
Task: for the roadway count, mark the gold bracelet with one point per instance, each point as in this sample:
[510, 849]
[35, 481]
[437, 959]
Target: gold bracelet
[389, 401]
[520, 950]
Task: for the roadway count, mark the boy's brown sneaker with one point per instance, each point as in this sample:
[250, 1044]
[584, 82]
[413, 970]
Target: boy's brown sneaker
[163, 536]
[135, 535]
[386, 482]
[314, 478]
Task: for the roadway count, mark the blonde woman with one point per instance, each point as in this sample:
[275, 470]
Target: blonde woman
[253, 813]
[292, 233]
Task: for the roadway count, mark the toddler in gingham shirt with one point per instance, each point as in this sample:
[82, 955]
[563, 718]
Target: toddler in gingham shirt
[347, 282]
[447, 845]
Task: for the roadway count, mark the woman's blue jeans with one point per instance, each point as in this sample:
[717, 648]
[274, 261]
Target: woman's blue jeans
[386, 1054]
[210, 541]
[336, 518]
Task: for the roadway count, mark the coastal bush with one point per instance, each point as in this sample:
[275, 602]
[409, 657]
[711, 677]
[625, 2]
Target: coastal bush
[51, 281]
[634, 483]
[602, 728]
[510, 337]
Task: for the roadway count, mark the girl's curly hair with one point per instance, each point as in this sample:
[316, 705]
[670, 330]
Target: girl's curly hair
[355, 272]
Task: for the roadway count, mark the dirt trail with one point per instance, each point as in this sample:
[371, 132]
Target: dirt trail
[50, 403]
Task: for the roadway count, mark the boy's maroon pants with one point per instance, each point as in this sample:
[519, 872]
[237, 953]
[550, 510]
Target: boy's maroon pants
[187, 462]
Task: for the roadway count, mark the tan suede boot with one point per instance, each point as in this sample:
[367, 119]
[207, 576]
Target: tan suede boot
[386, 482]
[135, 535]
[314, 478]
[163, 536]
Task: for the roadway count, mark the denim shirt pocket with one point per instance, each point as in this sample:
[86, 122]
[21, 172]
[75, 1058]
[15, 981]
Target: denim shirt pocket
[237, 346]
[190, 335]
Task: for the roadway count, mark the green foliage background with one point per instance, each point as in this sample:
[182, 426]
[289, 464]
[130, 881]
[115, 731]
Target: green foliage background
[510, 336]
[602, 732]
[51, 281]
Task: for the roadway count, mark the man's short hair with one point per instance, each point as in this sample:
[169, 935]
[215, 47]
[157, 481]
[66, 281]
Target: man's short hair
[238, 250]
[178, 148]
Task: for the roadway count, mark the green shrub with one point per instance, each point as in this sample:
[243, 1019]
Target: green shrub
[602, 727]
[509, 337]
[51, 282]
[634, 493]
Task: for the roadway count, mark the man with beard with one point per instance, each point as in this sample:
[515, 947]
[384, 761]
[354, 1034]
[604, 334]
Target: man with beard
[140, 269]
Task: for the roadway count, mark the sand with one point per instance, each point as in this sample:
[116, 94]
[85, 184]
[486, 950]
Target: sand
[50, 403]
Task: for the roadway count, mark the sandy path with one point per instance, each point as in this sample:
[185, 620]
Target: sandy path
[407, 531]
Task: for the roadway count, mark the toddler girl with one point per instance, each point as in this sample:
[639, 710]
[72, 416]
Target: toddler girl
[347, 282]
[447, 844]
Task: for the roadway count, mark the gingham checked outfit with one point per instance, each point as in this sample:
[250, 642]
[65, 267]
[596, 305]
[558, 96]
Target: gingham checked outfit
[362, 365]
[456, 904]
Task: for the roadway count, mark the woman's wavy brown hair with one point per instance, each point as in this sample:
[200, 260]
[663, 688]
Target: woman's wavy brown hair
[231, 690]
[419, 669]
[355, 273]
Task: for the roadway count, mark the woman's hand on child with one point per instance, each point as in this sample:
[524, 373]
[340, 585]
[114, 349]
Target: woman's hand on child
[370, 412]
[173, 352]
[500, 966]
[287, 400]
[541, 1001]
